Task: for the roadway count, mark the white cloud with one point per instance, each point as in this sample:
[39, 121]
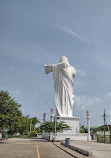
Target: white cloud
[109, 94]
[81, 72]
[90, 103]
[84, 102]
[71, 32]
[95, 105]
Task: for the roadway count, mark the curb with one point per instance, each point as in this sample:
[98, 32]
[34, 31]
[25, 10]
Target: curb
[65, 150]
[81, 151]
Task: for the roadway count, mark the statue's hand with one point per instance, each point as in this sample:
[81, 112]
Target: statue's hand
[74, 75]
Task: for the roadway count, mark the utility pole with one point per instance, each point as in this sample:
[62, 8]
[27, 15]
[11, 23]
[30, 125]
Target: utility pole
[104, 117]
[44, 117]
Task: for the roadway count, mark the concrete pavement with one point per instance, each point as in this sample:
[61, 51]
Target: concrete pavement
[71, 152]
[27, 148]
[17, 148]
[99, 150]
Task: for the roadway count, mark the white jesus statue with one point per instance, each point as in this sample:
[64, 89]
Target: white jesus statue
[63, 84]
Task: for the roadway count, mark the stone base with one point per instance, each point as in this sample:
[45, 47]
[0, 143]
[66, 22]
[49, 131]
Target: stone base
[73, 134]
[73, 122]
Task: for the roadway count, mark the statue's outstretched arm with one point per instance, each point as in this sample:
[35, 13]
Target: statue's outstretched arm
[48, 68]
[74, 72]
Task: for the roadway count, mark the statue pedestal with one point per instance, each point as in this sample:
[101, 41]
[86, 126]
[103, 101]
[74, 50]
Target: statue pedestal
[73, 134]
[73, 122]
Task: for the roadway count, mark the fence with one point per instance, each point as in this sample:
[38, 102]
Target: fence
[102, 139]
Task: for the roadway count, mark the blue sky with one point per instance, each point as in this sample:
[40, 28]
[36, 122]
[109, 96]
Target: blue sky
[34, 33]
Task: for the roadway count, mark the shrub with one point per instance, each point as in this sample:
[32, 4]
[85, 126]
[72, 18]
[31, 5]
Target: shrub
[33, 133]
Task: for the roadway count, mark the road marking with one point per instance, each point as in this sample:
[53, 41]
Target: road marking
[38, 152]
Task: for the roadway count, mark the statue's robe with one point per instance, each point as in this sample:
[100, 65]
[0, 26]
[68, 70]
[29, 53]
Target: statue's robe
[63, 84]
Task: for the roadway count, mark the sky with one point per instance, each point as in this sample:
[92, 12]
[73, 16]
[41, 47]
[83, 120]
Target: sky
[38, 32]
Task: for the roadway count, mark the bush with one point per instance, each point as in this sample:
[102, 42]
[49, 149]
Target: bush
[33, 133]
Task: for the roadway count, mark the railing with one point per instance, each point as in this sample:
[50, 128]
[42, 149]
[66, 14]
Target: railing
[102, 139]
[78, 134]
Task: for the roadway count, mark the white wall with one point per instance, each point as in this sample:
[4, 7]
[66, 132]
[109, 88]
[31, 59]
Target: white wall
[79, 136]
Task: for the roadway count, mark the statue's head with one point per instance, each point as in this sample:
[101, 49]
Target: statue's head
[64, 60]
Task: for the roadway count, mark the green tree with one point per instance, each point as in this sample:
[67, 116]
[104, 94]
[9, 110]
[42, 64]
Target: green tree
[24, 125]
[33, 122]
[49, 127]
[11, 116]
[10, 113]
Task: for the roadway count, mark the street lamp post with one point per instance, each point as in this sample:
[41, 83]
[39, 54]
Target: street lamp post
[56, 117]
[88, 124]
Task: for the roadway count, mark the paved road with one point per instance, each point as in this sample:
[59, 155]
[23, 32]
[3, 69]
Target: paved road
[27, 148]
